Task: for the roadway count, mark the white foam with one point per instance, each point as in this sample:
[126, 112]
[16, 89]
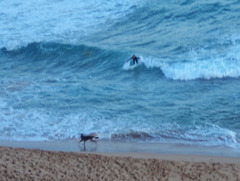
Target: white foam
[43, 124]
[37, 124]
[213, 135]
[203, 70]
[199, 65]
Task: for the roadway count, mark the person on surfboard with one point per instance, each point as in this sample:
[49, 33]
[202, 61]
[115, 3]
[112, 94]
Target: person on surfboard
[135, 59]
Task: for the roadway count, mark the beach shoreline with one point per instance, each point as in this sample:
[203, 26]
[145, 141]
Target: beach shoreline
[55, 160]
[132, 149]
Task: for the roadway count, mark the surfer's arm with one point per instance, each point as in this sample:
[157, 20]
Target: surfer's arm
[128, 59]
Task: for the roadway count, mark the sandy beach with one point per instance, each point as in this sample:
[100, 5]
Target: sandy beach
[40, 164]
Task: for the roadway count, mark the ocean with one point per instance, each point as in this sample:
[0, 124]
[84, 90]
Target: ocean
[64, 71]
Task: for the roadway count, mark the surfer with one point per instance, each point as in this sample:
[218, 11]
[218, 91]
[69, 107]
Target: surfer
[134, 59]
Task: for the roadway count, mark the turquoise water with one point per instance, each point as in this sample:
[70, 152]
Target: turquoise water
[63, 71]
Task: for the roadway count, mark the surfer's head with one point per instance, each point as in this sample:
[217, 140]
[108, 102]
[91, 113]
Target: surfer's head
[133, 56]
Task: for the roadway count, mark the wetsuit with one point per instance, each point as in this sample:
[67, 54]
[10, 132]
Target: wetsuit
[135, 59]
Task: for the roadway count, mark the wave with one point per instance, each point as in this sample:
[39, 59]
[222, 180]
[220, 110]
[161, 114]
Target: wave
[190, 66]
[152, 28]
[57, 21]
[208, 135]
[63, 70]
[51, 90]
[204, 64]
[40, 124]
[55, 55]
[157, 29]
[214, 69]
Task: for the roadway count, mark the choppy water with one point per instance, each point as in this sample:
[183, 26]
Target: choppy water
[63, 70]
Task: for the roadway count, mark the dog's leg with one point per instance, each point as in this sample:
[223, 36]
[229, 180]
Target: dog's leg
[93, 140]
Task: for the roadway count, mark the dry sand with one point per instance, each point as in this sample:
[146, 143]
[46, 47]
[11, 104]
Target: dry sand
[36, 164]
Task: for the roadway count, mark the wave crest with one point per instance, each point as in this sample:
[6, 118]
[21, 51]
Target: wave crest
[199, 65]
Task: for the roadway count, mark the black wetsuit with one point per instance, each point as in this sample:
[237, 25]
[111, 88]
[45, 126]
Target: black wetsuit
[135, 59]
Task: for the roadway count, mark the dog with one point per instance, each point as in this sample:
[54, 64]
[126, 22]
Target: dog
[92, 137]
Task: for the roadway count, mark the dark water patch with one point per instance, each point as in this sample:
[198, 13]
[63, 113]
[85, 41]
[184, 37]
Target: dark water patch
[133, 135]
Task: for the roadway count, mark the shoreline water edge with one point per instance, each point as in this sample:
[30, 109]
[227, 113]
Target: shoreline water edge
[121, 147]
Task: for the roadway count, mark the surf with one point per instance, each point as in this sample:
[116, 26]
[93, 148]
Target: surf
[67, 68]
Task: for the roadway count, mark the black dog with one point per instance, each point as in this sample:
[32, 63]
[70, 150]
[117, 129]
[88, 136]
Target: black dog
[92, 137]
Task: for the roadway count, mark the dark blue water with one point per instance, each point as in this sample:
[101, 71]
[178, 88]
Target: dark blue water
[63, 71]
